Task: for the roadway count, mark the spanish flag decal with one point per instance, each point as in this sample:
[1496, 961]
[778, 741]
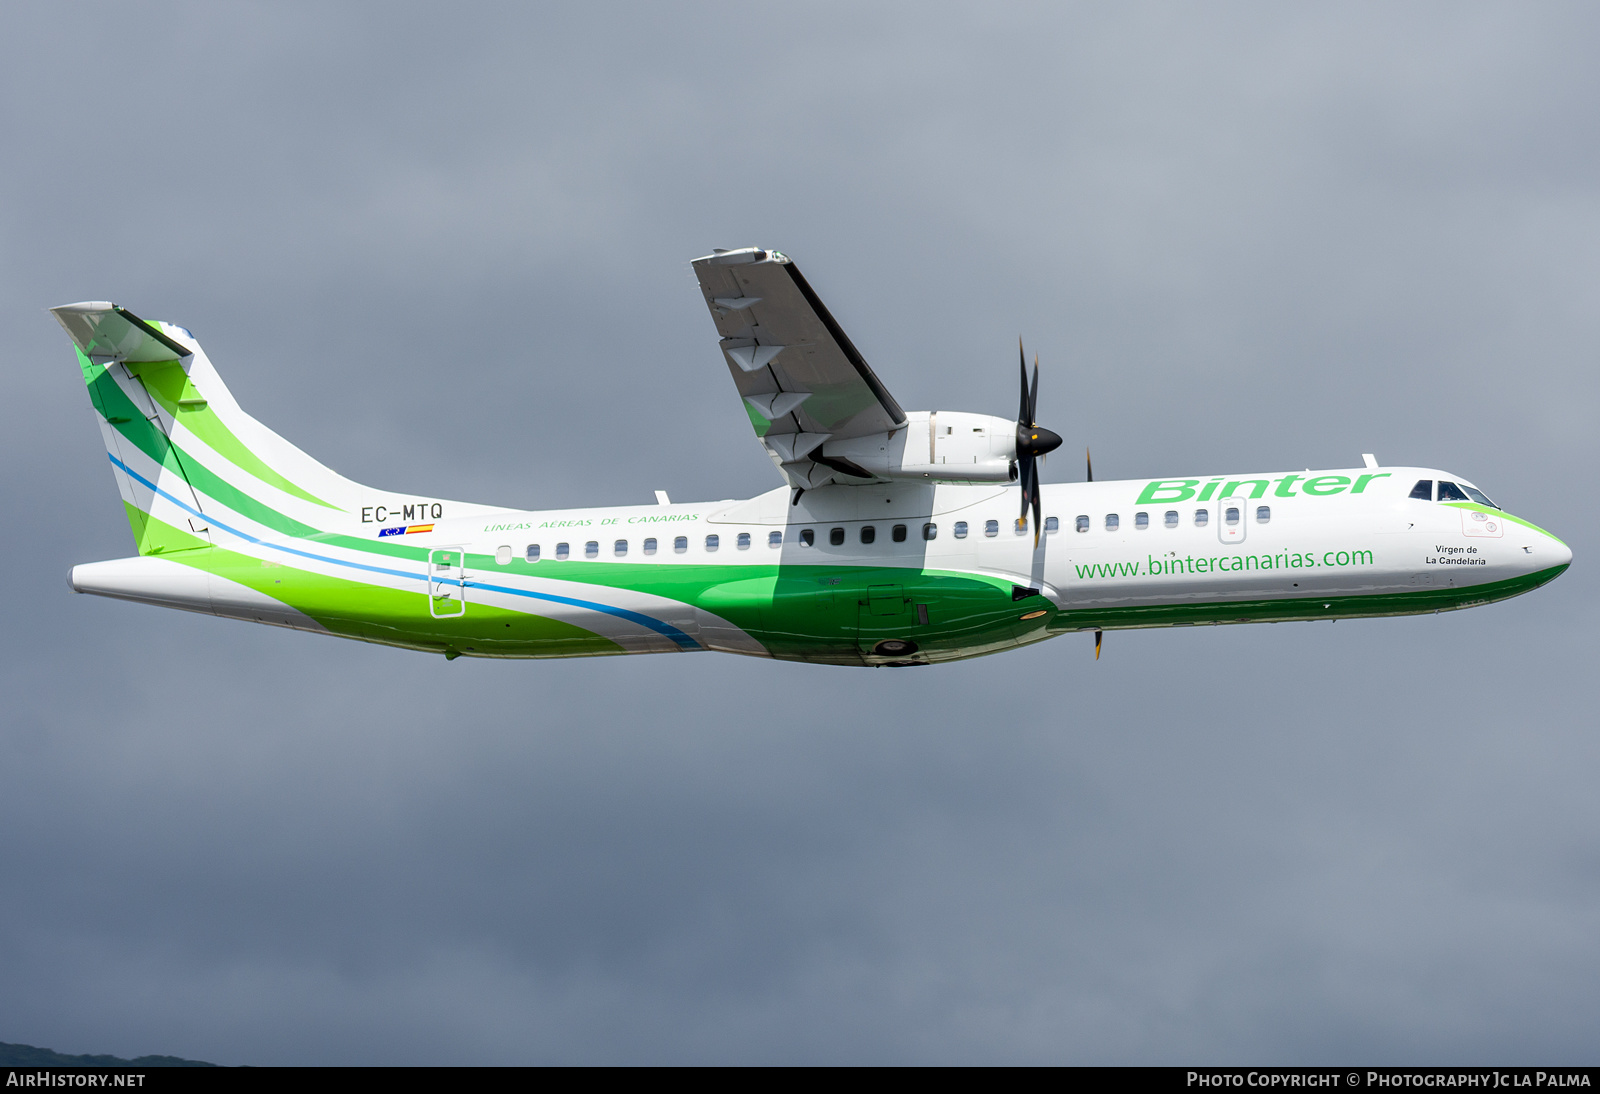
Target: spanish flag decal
[404, 530]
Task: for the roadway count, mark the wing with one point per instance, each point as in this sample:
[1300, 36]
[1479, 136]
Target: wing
[802, 379]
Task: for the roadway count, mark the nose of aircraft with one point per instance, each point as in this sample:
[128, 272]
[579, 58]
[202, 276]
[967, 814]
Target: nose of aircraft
[1546, 552]
[1559, 553]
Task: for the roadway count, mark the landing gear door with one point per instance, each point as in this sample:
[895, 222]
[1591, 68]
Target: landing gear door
[1231, 525]
[447, 582]
[886, 622]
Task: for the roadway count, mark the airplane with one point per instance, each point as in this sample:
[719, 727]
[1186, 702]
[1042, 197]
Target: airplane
[896, 538]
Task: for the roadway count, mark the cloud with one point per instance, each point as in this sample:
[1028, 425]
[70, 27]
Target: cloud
[442, 252]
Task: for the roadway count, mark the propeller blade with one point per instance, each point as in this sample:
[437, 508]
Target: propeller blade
[1088, 462]
[1037, 522]
[1097, 636]
[1026, 476]
[1034, 442]
[1033, 397]
[1023, 416]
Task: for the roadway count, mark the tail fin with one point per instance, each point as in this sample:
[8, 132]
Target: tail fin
[179, 445]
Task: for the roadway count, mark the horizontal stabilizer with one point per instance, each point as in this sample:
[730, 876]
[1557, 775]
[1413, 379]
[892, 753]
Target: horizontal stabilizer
[102, 329]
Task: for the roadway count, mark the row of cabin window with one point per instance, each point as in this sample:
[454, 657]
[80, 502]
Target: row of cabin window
[620, 547]
[869, 533]
[1231, 516]
[742, 541]
[808, 538]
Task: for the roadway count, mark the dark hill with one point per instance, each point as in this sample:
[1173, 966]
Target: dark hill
[28, 1056]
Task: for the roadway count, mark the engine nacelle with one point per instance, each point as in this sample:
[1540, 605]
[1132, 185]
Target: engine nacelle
[941, 445]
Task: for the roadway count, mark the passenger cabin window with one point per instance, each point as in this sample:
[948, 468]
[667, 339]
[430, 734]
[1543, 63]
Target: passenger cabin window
[502, 555]
[533, 552]
[1230, 516]
[1478, 495]
[1423, 491]
[591, 549]
[620, 548]
[1020, 526]
[1081, 522]
[1171, 518]
[1141, 521]
[991, 528]
[774, 539]
[868, 533]
[930, 531]
[562, 550]
[1052, 524]
[836, 536]
[898, 533]
[1201, 518]
[713, 541]
[961, 529]
[808, 537]
[650, 546]
[1449, 491]
[1112, 522]
[1263, 514]
[743, 542]
[680, 544]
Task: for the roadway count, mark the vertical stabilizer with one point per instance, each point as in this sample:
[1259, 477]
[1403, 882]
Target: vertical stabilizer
[193, 468]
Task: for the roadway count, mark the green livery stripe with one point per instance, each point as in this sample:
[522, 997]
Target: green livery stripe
[740, 587]
[171, 387]
[1299, 609]
[400, 617]
[157, 537]
[1474, 507]
[114, 404]
[659, 626]
[831, 614]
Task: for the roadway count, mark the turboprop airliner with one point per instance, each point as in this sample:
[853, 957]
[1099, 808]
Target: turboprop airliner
[896, 538]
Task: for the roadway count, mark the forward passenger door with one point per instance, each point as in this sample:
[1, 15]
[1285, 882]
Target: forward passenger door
[447, 582]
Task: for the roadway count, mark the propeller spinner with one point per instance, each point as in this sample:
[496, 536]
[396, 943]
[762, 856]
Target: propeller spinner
[1034, 442]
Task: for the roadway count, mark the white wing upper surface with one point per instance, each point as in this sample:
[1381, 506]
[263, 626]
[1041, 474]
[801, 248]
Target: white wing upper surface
[802, 379]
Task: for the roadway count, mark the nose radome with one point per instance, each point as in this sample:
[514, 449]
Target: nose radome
[1559, 553]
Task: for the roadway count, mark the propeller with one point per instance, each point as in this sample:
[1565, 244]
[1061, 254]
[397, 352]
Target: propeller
[1034, 442]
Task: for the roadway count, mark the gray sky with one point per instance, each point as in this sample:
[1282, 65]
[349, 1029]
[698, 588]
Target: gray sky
[446, 250]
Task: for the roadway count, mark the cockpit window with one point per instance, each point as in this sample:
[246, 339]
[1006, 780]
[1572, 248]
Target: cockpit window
[1449, 491]
[1423, 491]
[1478, 496]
